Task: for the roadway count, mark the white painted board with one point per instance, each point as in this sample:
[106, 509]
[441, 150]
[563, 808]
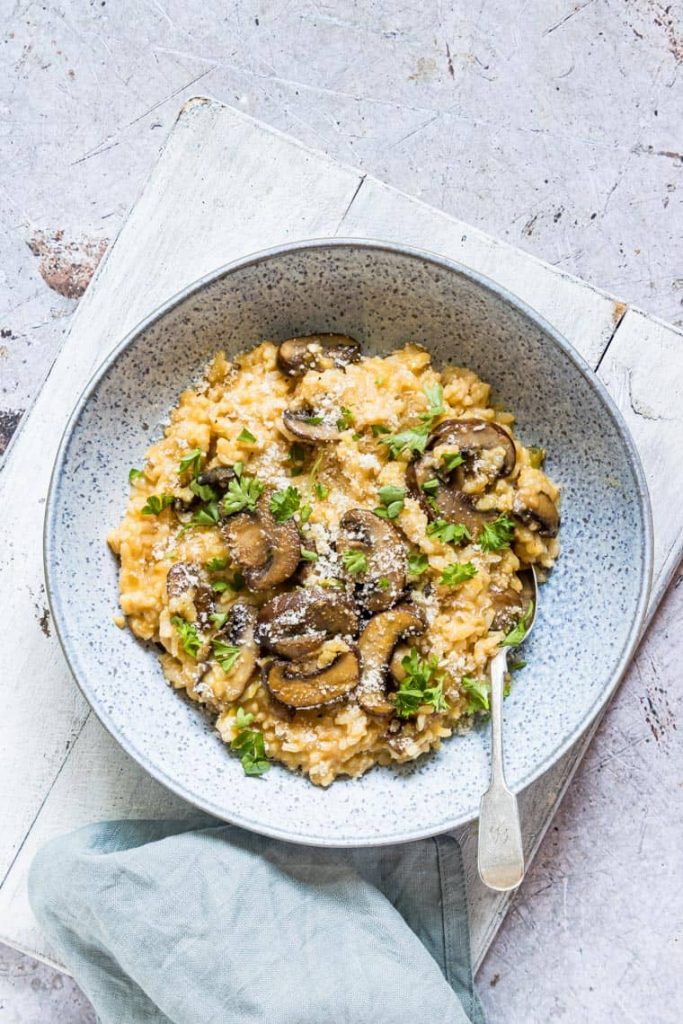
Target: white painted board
[224, 186]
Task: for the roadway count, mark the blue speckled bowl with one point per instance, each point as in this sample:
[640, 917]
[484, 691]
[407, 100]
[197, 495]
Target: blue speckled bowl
[590, 612]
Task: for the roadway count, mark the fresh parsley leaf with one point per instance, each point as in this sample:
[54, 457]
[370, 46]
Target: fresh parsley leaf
[207, 515]
[225, 654]
[345, 420]
[421, 686]
[249, 745]
[379, 428]
[189, 636]
[237, 468]
[477, 693]
[203, 491]
[156, 503]
[451, 461]
[134, 474]
[448, 533]
[321, 491]
[417, 564]
[242, 495]
[516, 665]
[496, 535]
[309, 556]
[192, 460]
[283, 504]
[297, 457]
[412, 440]
[216, 564]
[536, 457]
[313, 420]
[392, 500]
[246, 437]
[355, 561]
[516, 635]
[435, 406]
[305, 513]
[219, 619]
[457, 573]
[431, 486]
[384, 583]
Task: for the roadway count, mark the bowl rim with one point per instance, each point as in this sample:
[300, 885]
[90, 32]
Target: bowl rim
[646, 567]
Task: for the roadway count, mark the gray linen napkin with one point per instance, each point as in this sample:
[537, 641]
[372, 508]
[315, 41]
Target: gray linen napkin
[196, 923]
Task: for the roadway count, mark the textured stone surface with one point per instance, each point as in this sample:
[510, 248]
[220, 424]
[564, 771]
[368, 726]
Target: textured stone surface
[556, 129]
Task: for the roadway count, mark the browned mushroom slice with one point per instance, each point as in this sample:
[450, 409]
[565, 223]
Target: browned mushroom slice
[538, 512]
[266, 551]
[305, 425]
[184, 583]
[474, 436]
[296, 356]
[383, 582]
[296, 624]
[239, 631]
[376, 645]
[510, 605]
[219, 478]
[447, 501]
[303, 685]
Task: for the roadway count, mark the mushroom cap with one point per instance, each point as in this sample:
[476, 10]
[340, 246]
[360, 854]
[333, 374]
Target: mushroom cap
[239, 632]
[294, 421]
[296, 356]
[219, 478]
[185, 583]
[449, 502]
[380, 541]
[302, 685]
[295, 624]
[538, 511]
[471, 436]
[376, 645]
[266, 551]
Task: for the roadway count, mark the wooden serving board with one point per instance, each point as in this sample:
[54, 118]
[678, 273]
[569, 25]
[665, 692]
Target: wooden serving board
[225, 186]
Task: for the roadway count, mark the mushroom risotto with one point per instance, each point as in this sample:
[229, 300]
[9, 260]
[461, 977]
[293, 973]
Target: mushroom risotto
[326, 548]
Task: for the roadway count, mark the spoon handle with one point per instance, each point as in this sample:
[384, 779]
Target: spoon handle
[501, 855]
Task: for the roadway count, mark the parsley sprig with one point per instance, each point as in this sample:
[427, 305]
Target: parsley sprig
[192, 460]
[422, 685]
[242, 495]
[477, 692]
[156, 503]
[355, 561]
[392, 500]
[284, 504]
[414, 439]
[457, 573]
[417, 564]
[448, 533]
[496, 535]
[190, 639]
[225, 654]
[516, 635]
[249, 744]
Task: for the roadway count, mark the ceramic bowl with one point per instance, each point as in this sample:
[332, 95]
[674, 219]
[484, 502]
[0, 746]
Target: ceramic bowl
[590, 612]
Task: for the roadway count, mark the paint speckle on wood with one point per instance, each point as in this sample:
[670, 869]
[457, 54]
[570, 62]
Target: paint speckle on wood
[67, 266]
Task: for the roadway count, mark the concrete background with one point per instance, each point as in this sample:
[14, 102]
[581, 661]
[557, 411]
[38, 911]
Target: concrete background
[554, 125]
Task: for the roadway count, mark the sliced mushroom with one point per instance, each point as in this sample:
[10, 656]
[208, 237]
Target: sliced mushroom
[376, 645]
[538, 512]
[295, 624]
[384, 580]
[219, 478]
[305, 425]
[473, 436]
[303, 685]
[184, 584]
[297, 356]
[266, 551]
[238, 631]
[510, 605]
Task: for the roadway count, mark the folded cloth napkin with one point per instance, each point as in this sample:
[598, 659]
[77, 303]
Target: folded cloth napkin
[199, 922]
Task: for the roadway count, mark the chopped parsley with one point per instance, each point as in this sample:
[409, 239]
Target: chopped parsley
[216, 564]
[249, 745]
[392, 500]
[379, 428]
[235, 583]
[225, 654]
[189, 636]
[412, 440]
[422, 685]
[448, 533]
[457, 573]
[297, 458]
[417, 564]
[283, 504]
[192, 460]
[384, 583]
[477, 692]
[431, 486]
[516, 635]
[355, 561]
[313, 420]
[134, 474]
[242, 495]
[203, 491]
[321, 491]
[246, 437]
[309, 556]
[496, 535]
[156, 503]
[451, 461]
[207, 515]
[435, 406]
[345, 420]
[219, 619]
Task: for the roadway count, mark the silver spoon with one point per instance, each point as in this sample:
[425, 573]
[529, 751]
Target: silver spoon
[501, 854]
